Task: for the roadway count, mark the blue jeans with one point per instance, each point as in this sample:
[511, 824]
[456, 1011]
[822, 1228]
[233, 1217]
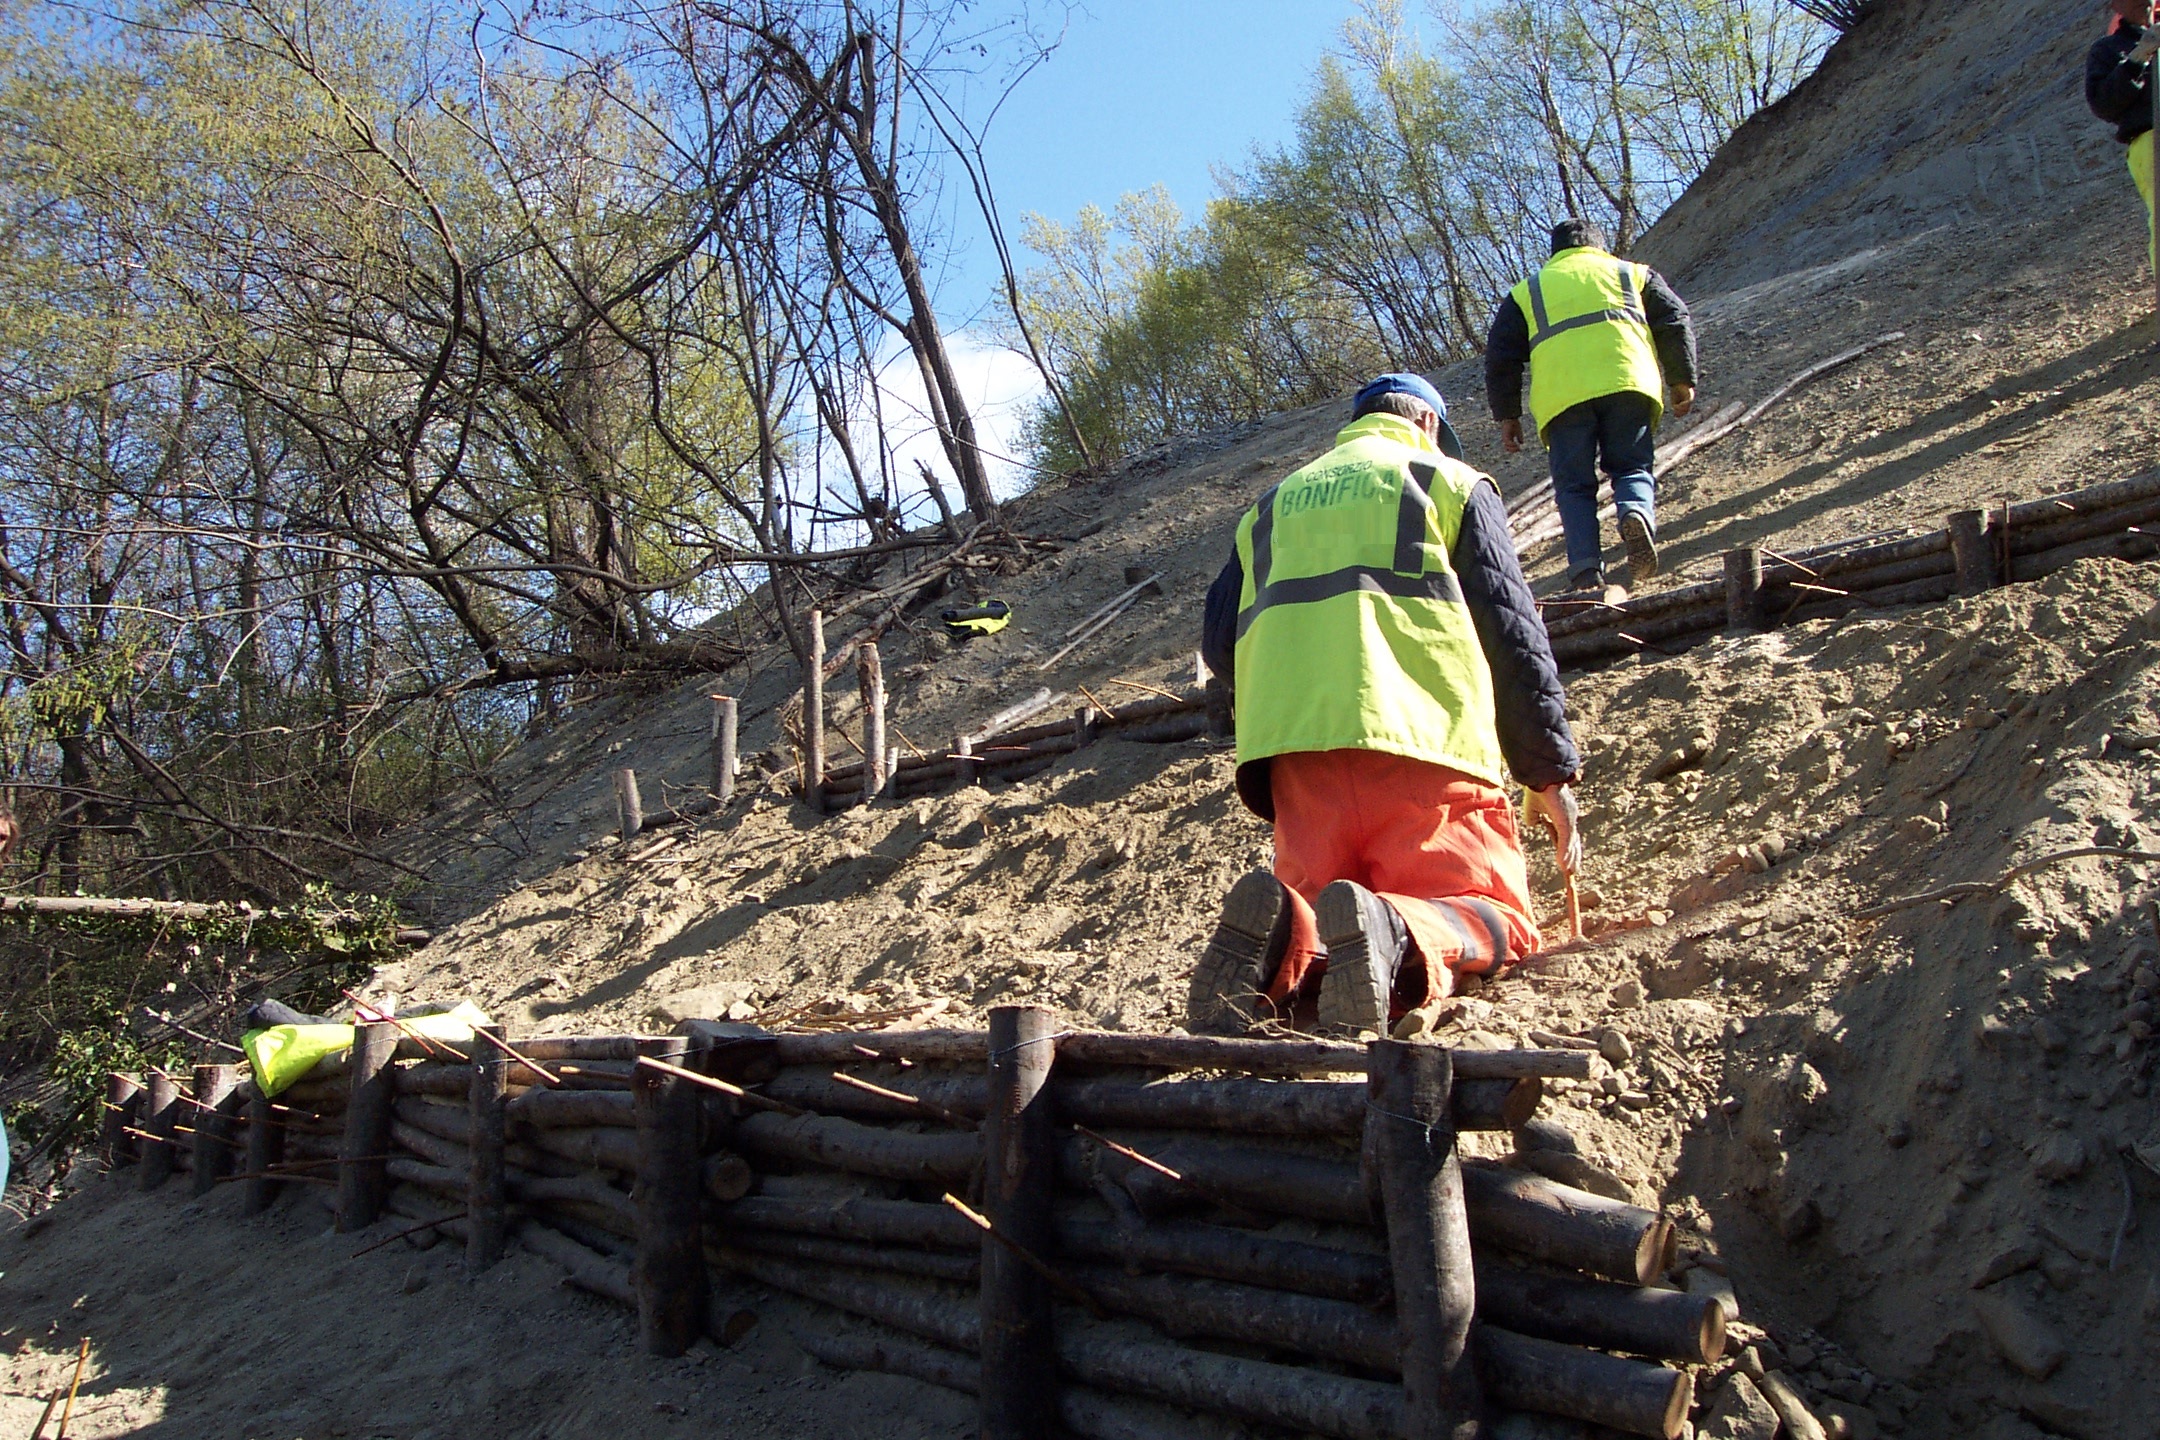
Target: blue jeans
[1612, 431]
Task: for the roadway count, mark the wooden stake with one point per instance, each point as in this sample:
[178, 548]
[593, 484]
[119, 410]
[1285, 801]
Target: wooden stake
[214, 1145]
[870, 681]
[629, 809]
[1428, 1230]
[1019, 1363]
[967, 770]
[82, 1357]
[669, 1273]
[1977, 566]
[723, 748]
[486, 1207]
[363, 1183]
[1574, 905]
[123, 1104]
[265, 1152]
[483, 1033]
[813, 717]
[749, 1097]
[1743, 588]
[160, 1114]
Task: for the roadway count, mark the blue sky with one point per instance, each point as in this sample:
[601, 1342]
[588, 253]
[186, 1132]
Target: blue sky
[1137, 94]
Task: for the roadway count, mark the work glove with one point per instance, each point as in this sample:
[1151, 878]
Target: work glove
[1683, 399]
[1511, 435]
[1555, 805]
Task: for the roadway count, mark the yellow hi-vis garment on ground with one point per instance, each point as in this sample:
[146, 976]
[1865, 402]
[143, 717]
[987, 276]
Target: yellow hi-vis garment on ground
[281, 1055]
[1352, 633]
[1589, 335]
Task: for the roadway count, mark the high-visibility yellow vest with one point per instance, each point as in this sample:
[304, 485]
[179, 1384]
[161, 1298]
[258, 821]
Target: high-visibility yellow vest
[1588, 333]
[1352, 633]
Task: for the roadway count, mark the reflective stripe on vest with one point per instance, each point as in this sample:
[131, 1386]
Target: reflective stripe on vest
[1352, 632]
[1401, 580]
[1589, 333]
[1542, 329]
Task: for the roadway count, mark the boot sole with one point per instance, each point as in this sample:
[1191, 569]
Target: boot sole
[1225, 995]
[1353, 996]
[1642, 556]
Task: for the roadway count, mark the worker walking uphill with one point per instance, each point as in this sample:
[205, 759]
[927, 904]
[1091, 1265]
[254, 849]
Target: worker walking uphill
[2118, 87]
[1607, 342]
[1389, 674]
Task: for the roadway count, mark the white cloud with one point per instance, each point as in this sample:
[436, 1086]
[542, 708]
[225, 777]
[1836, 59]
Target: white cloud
[1001, 388]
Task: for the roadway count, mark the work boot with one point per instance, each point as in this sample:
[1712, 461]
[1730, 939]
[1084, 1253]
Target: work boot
[1240, 959]
[1641, 547]
[1588, 585]
[1365, 941]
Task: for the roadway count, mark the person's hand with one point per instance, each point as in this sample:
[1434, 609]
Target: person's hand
[1683, 399]
[1511, 435]
[1555, 805]
[2146, 48]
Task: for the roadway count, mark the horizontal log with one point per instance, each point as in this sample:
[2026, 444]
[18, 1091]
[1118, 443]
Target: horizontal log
[1662, 1324]
[2111, 495]
[414, 1203]
[317, 1095]
[727, 1177]
[1221, 1252]
[431, 1148]
[441, 1079]
[1832, 569]
[1089, 1413]
[1643, 609]
[1277, 1181]
[593, 1147]
[1168, 730]
[583, 1267]
[1914, 592]
[1880, 575]
[595, 1195]
[1222, 1310]
[438, 1178]
[961, 1269]
[950, 1157]
[555, 1109]
[2119, 546]
[1167, 1052]
[543, 1048]
[1563, 1226]
[1292, 1397]
[1260, 1107]
[884, 1222]
[448, 1122]
[1556, 1379]
[2066, 527]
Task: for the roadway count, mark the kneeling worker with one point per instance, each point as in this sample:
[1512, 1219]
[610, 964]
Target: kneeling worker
[1390, 674]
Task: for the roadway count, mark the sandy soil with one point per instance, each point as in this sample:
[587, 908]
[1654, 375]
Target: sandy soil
[1859, 1117]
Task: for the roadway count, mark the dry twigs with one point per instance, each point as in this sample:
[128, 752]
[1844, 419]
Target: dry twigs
[1951, 894]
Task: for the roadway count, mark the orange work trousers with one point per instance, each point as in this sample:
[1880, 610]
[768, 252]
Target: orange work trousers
[1441, 847]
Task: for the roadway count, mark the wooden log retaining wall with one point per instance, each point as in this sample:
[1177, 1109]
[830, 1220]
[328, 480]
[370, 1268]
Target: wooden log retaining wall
[1077, 1207]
